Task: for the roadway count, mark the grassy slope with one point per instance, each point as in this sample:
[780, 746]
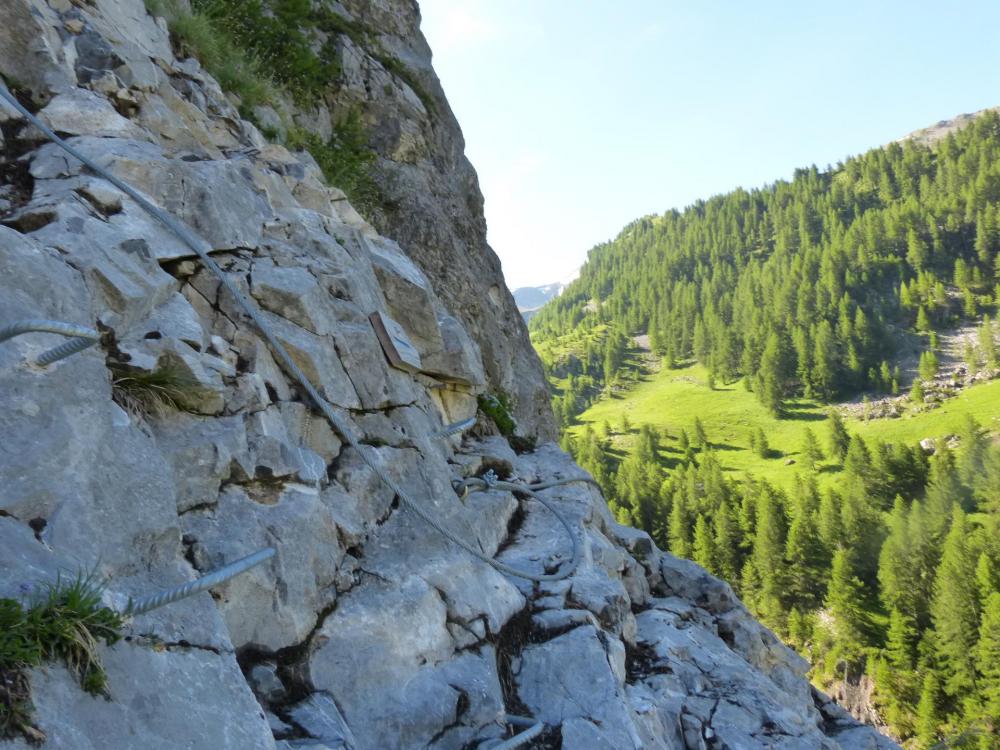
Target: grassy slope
[671, 399]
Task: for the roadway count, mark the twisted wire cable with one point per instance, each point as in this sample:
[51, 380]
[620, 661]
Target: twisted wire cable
[63, 350]
[202, 249]
[520, 721]
[491, 483]
[168, 596]
[454, 428]
[81, 337]
[519, 739]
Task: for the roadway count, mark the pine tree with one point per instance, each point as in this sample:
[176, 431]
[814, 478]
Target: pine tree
[609, 367]
[983, 245]
[971, 458]
[923, 320]
[760, 445]
[897, 566]
[769, 552]
[928, 367]
[917, 392]
[704, 545]
[960, 274]
[955, 609]
[700, 438]
[683, 441]
[727, 543]
[831, 528]
[839, 437]
[988, 659]
[799, 628]
[858, 460]
[811, 450]
[901, 641]
[929, 712]
[969, 308]
[806, 556]
[680, 526]
[971, 357]
[843, 600]
[824, 372]
[771, 376]
[917, 254]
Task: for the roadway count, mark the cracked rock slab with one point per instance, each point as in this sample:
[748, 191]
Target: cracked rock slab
[171, 698]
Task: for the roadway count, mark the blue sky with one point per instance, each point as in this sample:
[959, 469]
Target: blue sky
[581, 116]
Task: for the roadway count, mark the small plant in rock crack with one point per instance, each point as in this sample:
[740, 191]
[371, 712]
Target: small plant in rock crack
[63, 621]
[500, 410]
[152, 394]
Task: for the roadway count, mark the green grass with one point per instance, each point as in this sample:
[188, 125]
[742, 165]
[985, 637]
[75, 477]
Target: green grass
[345, 159]
[236, 68]
[671, 399]
[63, 621]
[982, 401]
[152, 394]
[263, 54]
[498, 409]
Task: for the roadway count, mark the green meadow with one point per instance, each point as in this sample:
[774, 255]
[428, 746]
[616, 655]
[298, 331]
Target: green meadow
[670, 400]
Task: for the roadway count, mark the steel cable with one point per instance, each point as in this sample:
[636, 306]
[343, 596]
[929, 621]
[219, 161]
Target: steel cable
[454, 428]
[519, 739]
[202, 250]
[81, 337]
[168, 596]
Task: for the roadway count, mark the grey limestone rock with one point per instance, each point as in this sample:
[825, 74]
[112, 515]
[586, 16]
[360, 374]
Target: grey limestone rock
[78, 111]
[569, 677]
[294, 586]
[170, 698]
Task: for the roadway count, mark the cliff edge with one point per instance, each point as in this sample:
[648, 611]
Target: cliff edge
[179, 444]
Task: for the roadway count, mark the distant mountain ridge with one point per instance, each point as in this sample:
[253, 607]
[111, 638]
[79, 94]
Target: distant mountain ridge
[530, 299]
[941, 129]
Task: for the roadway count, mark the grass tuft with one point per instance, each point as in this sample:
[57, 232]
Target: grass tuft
[152, 394]
[345, 159]
[63, 621]
[263, 52]
[498, 408]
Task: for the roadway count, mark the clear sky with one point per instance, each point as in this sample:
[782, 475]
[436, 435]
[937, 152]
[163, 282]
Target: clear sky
[581, 116]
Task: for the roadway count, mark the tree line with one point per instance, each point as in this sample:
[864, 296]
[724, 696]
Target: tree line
[805, 287]
[895, 573]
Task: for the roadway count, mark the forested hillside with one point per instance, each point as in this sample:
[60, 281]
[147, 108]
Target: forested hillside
[876, 558]
[803, 287]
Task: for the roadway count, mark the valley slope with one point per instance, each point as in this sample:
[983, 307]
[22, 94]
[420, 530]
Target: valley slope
[794, 386]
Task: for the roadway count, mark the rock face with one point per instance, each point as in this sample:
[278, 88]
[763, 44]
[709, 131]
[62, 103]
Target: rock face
[179, 444]
[432, 204]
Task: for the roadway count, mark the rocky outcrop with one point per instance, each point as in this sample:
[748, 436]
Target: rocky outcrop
[179, 444]
[431, 203]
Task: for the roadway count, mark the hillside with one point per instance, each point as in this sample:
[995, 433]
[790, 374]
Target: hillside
[261, 386]
[934, 133]
[794, 386]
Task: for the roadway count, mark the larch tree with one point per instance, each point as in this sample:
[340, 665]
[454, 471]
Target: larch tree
[840, 439]
[988, 660]
[811, 450]
[843, 600]
[955, 609]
